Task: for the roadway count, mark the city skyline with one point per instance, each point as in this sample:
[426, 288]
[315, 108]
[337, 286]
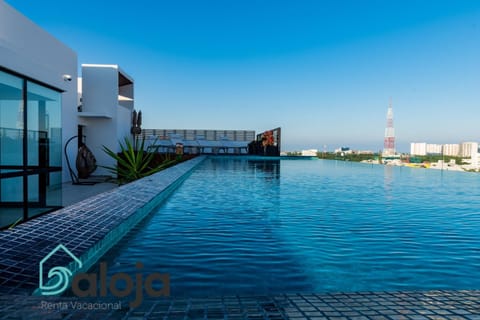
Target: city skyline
[322, 71]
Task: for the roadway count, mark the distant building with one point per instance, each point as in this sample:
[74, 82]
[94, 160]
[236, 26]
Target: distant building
[475, 160]
[467, 149]
[423, 149]
[310, 152]
[464, 150]
[344, 150]
[432, 148]
[418, 148]
[451, 149]
[364, 152]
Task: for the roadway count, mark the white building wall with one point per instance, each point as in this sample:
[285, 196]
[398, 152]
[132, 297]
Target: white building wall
[433, 148]
[475, 158]
[123, 123]
[468, 148]
[126, 91]
[310, 152]
[451, 149]
[99, 90]
[106, 119]
[27, 49]
[418, 148]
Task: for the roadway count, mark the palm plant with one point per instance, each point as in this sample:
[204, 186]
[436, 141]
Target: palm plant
[133, 163]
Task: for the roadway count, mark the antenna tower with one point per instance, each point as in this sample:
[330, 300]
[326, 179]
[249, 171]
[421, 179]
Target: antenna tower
[389, 141]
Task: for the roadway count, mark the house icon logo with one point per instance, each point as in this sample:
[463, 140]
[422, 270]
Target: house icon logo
[50, 286]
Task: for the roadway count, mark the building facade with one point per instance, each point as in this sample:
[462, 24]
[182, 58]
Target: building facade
[433, 148]
[423, 148]
[40, 112]
[38, 91]
[467, 149]
[310, 152]
[105, 112]
[452, 149]
[418, 148]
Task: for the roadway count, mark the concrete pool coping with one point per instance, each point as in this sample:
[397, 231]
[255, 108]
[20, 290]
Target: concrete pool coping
[87, 229]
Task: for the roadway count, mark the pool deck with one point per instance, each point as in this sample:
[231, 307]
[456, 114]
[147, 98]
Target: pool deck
[92, 226]
[72, 194]
[408, 305]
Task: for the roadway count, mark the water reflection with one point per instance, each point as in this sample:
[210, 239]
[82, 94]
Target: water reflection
[323, 226]
[270, 169]
[388, 182]
[268, 172]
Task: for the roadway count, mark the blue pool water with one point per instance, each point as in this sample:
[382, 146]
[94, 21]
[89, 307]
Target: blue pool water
[239, 226]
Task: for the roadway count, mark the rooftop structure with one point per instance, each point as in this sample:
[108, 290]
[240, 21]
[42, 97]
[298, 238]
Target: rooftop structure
[40, 113]
[38, 91]
[198, 140]
[268, 143]
[105, 112]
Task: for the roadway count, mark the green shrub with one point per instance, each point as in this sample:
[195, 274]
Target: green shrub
[134, 163]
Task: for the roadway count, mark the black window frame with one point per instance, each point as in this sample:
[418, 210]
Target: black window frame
[24, 170]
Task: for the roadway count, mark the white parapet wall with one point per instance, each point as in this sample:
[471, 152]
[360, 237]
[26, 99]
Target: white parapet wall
[30, 52]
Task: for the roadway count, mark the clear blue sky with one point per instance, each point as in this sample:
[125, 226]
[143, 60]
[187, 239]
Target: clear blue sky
[322, 70]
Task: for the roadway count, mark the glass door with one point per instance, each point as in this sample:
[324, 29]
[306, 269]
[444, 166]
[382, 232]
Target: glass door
[30, 149]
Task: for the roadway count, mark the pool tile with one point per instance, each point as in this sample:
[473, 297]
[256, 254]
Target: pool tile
[261, 308]
[80, 226]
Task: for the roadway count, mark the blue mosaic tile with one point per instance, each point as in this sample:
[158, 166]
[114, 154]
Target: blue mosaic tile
[91, 225]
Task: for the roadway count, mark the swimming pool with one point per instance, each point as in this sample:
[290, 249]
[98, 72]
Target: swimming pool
[240, 226]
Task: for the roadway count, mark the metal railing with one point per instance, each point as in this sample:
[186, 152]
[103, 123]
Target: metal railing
[195, 134]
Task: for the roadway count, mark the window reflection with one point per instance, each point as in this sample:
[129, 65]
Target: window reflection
[30, 177]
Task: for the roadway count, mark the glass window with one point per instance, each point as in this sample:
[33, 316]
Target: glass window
[44, 126]
[11, 148]
[54, 189]
[11, 190]
[11, 120]
[11, 194]
[44, 147]
[27, 192]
